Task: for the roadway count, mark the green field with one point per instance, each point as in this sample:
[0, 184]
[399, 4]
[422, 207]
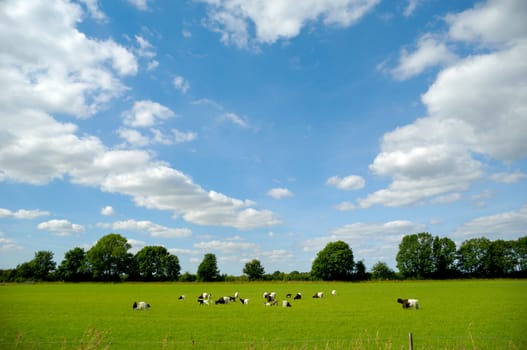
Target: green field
[453, 315]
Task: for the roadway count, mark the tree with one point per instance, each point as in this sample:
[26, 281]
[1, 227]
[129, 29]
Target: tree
[334, 262]
[156, 263]
[473, 257]
[254, 270]
[43, 264]
[359, 271]
[381, 271]
[75, 266]
[520, 253]
[443, 257]
[414, 258]
[208, 269]
[109, 257]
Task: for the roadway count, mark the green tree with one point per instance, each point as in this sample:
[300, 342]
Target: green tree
[502, 259]
[381, 271]
[254, 270]
[359, 271]
[520, 253]
[414, 258]
[156, 263]
[443, 257]
[75, 266]
[109, 258]
[334, 262]
[208, 269]
[43, 264]
[473, 257]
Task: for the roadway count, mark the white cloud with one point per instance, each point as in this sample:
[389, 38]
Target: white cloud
[182, 136]
[277, 19]
[108, 211]
[153, 229]
[49, 67]
[236, 119]
[181, 84]
[352, 182]
[476, 106]
[23, 213]
[509, 178]
[133, 137]
[508, 225]
[139, 4]
[94, 10]
[345, 206]
[279, 193]
[447, 198]
[7, 244]
[61, 227]
[411, 6]
[225, 246]
[146, 113]
[430, 52]
[376, 241]
[490, 23]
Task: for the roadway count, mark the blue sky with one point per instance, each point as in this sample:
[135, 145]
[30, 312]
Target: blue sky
[260, 129]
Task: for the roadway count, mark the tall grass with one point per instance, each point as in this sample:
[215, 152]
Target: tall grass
[454, 315]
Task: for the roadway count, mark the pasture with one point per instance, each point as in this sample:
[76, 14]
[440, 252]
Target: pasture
[453, 315]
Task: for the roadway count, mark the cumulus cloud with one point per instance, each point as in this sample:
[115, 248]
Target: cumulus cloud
[430, 52]
[23, 213]
[108, 211]
[225, 246]
[352, 182]
[345, 206]
[153, 229]
[410, 7]
[276, 19]
[181, 84]
[512, 223]
[48, 67]
[146, 113]
[509, 178]
[279, 193]
[377, 241]
[476, 106]
[141, 5]
[94, 10]
[61, 227]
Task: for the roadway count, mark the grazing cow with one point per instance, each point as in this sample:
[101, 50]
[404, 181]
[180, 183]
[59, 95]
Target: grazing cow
[271, 303]
[288, 295]
[220, 301]
[205, 296]
[140, 305]
[333, 292]
[203, 301]
[318, 295]
[181, 297]
[409, 303]
[286, 303]
[298, 296]
[270, 297]
[236, 295]
[244, 301]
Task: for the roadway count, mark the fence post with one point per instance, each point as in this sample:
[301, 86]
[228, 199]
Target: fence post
[411, 341]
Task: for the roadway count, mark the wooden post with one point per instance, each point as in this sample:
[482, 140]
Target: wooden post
[410, 341]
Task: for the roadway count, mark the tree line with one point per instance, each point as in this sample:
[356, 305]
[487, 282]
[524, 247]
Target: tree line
[420, 256]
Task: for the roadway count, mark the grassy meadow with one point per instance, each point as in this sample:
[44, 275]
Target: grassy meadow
[488, 314]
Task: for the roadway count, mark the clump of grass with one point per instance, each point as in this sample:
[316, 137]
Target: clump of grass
[94, 339]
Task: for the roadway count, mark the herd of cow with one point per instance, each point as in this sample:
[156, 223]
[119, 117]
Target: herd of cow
[270, 299]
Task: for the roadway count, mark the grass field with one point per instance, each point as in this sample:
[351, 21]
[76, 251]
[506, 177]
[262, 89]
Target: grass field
[453, 315]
